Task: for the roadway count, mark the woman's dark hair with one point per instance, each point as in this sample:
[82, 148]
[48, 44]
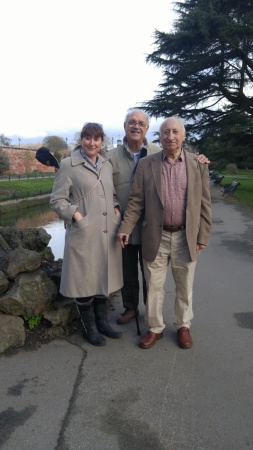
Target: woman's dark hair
[92, 129]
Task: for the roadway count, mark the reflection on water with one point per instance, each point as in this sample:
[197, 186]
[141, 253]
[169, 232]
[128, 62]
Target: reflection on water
[39, 216]
[57, 231]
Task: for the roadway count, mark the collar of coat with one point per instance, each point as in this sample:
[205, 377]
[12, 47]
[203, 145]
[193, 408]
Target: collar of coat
[191, 161]
[143, 150]
[76, 157]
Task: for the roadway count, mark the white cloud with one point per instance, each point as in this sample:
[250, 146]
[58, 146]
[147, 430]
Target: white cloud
[65, 63]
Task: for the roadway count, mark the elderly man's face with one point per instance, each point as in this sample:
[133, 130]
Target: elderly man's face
[172, 135]
[136, 128]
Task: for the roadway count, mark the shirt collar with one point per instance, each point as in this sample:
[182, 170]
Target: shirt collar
[94, 165]
[180, 158]
[136, 155]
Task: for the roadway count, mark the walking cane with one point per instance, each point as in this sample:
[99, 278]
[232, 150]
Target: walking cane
[132, 291]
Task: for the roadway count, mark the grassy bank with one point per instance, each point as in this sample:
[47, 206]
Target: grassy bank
[12, 208]
[17, 189]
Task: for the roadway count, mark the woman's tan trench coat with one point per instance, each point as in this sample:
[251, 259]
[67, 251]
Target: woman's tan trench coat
[92, 261]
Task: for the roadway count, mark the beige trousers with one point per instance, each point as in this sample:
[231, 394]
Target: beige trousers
[174, 249]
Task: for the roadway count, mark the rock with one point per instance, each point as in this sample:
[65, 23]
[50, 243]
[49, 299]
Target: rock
[30, 295]
[30, 238]
[4, 259]
[3, 243]
[4, 283]
[61, 315]
[47, 254]
[12, 332]
[53, 271]
[22, 260]
[29, 287]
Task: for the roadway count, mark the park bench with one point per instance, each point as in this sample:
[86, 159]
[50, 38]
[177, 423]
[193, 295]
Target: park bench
[212, 175]
[229, 189]
[217, 181]
[215, 178]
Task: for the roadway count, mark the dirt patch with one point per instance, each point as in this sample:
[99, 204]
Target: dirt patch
[43, 334]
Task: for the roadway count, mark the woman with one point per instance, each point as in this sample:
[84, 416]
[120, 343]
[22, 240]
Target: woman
[83, 196]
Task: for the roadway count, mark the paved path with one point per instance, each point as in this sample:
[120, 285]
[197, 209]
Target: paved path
[73, 396]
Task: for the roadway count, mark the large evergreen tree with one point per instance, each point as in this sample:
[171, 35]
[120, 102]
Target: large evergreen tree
[230, 140]
[207, 64]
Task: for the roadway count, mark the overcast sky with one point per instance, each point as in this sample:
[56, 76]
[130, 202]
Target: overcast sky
[64, 63]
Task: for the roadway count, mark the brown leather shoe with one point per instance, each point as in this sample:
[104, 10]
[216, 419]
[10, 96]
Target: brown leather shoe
[150, 339]
[125, 317]
[184, 337]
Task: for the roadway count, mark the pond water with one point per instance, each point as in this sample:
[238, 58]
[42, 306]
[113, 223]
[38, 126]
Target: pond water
[41, 216]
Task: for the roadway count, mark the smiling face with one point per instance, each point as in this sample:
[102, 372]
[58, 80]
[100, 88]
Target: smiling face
[136, 127]
[91, 145]
[172, 136]
[92, 136]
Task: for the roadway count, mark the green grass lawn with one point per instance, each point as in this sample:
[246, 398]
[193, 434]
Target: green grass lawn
[25, 188]
[244, 193]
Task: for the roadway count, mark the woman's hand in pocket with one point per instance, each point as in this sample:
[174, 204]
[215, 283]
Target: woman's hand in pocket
[77, 216]
[117, 212]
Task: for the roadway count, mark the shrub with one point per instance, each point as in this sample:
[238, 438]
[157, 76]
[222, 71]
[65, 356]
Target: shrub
[231, 168]
[33, 321]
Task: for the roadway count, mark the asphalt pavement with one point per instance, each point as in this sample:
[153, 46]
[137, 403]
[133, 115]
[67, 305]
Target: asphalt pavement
[70, 395]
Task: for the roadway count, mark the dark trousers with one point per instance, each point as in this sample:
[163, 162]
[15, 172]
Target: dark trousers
[131, 256]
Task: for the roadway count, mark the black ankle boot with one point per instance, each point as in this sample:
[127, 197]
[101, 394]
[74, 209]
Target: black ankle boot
[103, 326]
[89, 328]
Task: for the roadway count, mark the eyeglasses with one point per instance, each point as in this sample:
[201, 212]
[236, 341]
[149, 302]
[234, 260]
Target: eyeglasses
[132, 123]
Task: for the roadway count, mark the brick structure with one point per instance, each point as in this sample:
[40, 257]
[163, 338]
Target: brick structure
[23, 161]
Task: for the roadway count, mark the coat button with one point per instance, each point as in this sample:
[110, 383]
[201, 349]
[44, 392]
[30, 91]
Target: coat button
[102, 196]
[105, 214]
[105, 231]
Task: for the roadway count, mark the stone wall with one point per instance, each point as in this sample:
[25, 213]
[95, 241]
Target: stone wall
[23, 161]
[29, 285]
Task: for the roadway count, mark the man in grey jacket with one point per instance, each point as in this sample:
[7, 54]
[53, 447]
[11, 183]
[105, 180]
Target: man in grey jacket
[124, 160]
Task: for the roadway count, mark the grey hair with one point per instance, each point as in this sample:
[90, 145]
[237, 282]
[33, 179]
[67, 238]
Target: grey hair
[173, 117]
[132, 110]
